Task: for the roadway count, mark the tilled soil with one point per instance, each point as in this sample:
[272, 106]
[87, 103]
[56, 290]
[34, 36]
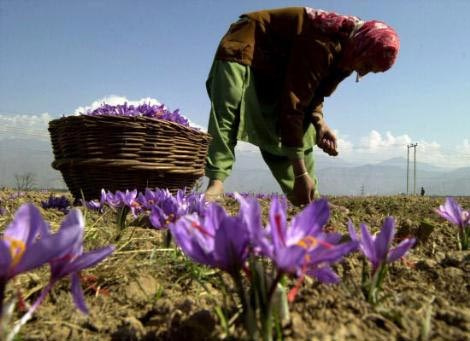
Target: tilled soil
[148, 291]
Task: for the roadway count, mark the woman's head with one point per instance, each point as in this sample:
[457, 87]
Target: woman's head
[370, 46]
[373, 47]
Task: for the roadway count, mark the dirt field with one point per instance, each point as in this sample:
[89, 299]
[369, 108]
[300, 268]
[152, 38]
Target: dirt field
[147, 291]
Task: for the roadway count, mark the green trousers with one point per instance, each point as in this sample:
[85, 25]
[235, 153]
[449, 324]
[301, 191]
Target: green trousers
[236, 114]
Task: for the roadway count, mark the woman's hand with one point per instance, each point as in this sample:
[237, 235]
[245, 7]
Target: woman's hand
[304, 190]
[304, 187]
[326, 139]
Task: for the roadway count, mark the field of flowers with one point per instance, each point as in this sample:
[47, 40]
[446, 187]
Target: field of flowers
[157, 266]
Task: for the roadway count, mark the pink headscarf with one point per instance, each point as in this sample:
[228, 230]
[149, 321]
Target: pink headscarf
[371, 42]
[375, 42]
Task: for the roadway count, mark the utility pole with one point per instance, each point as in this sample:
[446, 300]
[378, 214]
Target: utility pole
[411, 145]
[414, 168]
[407, 169]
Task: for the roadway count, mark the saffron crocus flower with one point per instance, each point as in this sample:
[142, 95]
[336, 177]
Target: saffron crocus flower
[453, 212]
[151, 198]
[329, 252]
[68, 260]
[299, 246]
[112, 200]
[217, 239]
[129, 199]
[290, 243]
[20, 248]
[95, 205]
[378, 250]
[60, 203]
[72, 260]
[167, 208]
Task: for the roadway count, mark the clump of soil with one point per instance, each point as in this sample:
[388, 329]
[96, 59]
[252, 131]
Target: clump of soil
[147, 291]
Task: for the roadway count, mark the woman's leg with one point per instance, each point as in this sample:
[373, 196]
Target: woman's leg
[283, 172]
[225, 87]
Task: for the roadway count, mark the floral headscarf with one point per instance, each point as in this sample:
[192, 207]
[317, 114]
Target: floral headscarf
[372, 42]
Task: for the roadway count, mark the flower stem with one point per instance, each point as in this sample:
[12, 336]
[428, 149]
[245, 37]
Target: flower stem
[376, 283]
[2, 296]
[266, 310]
[248, 314]
[464, 238]
[26, 317]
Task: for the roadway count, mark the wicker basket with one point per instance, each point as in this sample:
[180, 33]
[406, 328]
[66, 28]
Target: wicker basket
[121, 152]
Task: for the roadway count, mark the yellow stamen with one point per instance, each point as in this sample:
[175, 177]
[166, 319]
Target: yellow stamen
[17, 249]
[309, 242]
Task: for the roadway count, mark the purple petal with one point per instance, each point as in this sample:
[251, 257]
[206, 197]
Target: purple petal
[45, 249]
[185, 236]
[367, 244]
[157, 217]
[312, 218]
[77, 293]
[250, 211]
[400, 250]
[290, 259]
[5, 258]
[74, 221]
[384, 239]
[352, 231]
[26, 224]
[331, 255]
[325, 275]
[231, 242]
[214, 216]
[86, 260]
[451, 211]
[278, 223]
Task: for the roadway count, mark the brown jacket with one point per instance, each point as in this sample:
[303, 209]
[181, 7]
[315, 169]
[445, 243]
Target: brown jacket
[292, 61]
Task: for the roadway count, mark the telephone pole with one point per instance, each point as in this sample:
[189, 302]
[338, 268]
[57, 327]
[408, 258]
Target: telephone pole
[411, 145]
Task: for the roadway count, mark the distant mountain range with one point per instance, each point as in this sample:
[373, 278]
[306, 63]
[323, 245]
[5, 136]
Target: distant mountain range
[250, 174]
[337, 177]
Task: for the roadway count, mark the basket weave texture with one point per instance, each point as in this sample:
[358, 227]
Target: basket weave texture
[122, 152]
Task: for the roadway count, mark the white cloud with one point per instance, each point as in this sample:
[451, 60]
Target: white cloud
[376, 147]
[25, 126]
[374, 141]
[344, 145]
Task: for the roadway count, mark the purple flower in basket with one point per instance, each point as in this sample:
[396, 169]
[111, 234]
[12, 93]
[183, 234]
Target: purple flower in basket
[146, 109]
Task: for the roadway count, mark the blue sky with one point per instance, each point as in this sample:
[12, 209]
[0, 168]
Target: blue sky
[57, 56]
